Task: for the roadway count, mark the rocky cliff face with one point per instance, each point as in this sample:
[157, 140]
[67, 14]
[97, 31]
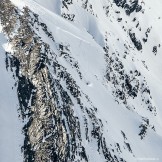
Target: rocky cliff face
[82, 85]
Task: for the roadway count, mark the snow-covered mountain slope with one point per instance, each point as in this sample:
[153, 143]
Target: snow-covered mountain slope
[88, 78]
[11, 137]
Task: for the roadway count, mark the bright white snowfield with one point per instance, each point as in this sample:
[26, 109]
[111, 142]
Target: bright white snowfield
[112, 50]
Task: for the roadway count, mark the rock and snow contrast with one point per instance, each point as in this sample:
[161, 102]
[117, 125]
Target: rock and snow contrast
[80, 80]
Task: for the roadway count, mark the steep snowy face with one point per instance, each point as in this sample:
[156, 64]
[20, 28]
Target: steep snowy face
[88, 75]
